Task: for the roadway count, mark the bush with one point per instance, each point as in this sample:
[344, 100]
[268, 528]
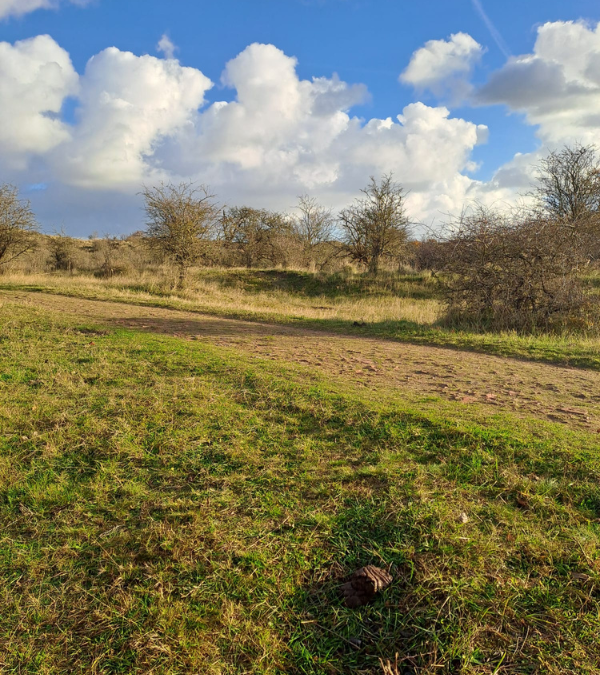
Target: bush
[63, 255]
[519, 271]
[375, 228]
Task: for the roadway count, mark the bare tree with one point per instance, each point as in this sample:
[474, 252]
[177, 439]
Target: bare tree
[314, 227]
[375, 227]
[17, 225]
[253, 236]
[568, 183]
[180, 221]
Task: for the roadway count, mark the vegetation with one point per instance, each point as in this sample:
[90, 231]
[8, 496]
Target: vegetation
[393, 306]
[17, 224]
[254, 237]
[190, 501]
[516, 271]
[568, 183]
[375, 227]
[181, 219]
[172, 507]
[314, 227]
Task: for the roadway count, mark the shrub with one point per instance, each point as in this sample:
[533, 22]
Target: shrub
[180, 223]
[518, 271]
[375, 228]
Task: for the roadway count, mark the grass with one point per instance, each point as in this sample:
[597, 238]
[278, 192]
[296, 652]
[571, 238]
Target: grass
[171, 507]
[400, 307]
[267, 294]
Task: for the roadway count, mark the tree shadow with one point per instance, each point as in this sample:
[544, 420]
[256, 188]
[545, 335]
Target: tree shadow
[335, 285]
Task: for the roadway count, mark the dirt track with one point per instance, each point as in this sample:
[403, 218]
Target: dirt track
[567, 395]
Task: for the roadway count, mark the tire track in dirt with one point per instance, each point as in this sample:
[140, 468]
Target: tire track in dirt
[524, 388]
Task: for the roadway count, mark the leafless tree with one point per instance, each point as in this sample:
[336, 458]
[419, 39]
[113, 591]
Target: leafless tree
[518, 270]
[568, 183]
[180, 221]
[314, 227]
[17, 225]
[253, 236]
[375, 227]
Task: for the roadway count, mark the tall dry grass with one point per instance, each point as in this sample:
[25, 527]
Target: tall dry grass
[234, 292]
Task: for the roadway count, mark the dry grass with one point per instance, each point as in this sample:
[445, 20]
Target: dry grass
[242, 292]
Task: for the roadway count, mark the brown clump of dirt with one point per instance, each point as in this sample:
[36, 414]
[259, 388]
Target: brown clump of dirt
[364, 584]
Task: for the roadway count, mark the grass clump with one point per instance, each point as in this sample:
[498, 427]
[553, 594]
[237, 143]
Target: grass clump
[170, 507]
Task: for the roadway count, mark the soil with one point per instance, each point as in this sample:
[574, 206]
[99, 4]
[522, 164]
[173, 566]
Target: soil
[561, 394]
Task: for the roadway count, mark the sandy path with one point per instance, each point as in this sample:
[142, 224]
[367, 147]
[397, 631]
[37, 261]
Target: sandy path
[525, 388]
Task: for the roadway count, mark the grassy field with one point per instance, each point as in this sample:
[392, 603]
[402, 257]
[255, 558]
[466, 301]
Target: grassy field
[174, 507]
[403, 307]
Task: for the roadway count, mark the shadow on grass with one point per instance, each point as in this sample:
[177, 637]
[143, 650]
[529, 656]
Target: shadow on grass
[542, 348]
[306, 284]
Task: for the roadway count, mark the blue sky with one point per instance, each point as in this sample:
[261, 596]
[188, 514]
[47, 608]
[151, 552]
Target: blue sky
[364, 42]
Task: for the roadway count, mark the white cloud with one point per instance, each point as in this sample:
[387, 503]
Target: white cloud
[36, 75]
[444, 66]
[129, 104]
[557, 86]
[22, 7]
[166, 46]
[140, 119]
[283, 136]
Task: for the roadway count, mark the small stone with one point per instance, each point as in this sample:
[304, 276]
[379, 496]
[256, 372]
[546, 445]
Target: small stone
[579, 576]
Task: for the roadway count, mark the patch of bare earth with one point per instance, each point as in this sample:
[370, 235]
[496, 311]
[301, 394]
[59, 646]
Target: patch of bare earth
[560, 394]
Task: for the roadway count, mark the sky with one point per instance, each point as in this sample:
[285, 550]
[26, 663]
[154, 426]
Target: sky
[266, 100]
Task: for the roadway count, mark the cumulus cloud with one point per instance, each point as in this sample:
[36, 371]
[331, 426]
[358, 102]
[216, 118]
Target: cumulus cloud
[283, 136]
[22, 7]
[128, 105]
[36, 76]
[141, 119]
[557, 86]
[444, 66]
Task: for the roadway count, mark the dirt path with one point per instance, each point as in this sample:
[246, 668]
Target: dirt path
[560, 394]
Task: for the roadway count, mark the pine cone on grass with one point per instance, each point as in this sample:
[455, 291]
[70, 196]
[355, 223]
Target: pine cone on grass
[362, 586]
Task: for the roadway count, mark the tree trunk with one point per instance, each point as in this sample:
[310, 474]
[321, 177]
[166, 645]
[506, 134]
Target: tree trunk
[181, 278]
[374, 265]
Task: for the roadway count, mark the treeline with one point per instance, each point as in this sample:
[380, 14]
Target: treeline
[503, 269]
[186, 224]
[187, 227]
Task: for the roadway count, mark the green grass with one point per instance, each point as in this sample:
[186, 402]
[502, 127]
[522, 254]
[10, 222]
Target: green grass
[399, 307]
[170, 507]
